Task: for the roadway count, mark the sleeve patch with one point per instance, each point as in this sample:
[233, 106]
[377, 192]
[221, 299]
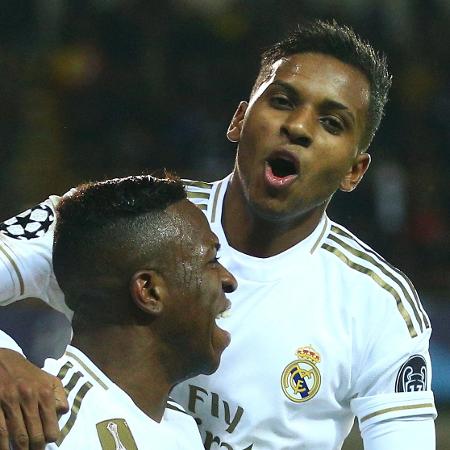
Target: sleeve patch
[31, 224]
[412, 376]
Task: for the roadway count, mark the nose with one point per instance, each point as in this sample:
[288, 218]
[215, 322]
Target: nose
[298, 126]
[229, 283]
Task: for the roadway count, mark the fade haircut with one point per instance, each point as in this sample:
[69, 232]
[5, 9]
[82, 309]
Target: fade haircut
[341, 42]
[104, 233]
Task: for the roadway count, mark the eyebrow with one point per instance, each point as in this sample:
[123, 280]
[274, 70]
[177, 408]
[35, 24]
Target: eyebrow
[327, 103]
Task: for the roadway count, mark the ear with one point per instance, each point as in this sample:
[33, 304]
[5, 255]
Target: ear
[148, 291]
[355, 173]
[235, 127]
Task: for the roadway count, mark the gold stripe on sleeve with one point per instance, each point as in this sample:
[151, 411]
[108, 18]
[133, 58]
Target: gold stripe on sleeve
[216, 196]
[396, 408]
[16, 269]
[87, 369]
[344, 233]
[387, 287]
[370, 259]
[72, 382]
[201, 195]
[197, 184]
[73, 412]
[64, 369]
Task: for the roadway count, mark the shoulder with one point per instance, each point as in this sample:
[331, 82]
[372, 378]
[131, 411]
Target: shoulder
[32, 223]
[26, 242]
[84, 389]
[207, 196]
[199, 192]
[365, 271]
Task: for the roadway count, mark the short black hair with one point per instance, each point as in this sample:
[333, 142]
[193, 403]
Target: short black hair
[344, 44]
[105, 230]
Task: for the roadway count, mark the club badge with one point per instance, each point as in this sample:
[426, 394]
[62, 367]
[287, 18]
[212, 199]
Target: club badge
[300, 380]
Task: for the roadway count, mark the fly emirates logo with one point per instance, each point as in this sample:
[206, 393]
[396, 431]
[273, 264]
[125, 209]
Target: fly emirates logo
[211, 403]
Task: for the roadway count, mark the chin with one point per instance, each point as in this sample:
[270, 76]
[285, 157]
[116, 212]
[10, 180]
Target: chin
[213, 364]
[270, 211]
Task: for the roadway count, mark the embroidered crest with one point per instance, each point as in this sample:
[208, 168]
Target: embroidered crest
[114, 434]
[30, 224]
[412, 376]
[300, 380]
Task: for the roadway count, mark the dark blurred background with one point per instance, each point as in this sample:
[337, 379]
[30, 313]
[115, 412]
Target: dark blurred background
[99, 88]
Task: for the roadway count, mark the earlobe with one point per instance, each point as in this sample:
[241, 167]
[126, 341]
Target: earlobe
[355, 173]
[235, 127]
[147, 291]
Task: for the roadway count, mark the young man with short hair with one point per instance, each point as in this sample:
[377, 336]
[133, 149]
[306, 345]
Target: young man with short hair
[137, 263]
[324, 329]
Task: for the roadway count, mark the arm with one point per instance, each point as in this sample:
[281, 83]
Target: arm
[30, 399]
[26, 243]
[392, 395]
[411, 433]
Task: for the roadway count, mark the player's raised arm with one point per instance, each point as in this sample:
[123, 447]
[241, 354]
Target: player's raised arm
[26, 242]
[29, 398]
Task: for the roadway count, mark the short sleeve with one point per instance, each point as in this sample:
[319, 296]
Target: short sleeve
[392, 376]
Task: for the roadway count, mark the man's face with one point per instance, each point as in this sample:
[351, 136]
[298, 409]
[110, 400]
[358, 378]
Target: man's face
[300, 134]
[197, 284]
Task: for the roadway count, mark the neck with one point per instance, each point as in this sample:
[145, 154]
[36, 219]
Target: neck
[137, 369]
[259, 236]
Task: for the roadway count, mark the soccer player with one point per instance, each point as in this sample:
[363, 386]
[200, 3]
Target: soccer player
[137, 263]
[324, 329]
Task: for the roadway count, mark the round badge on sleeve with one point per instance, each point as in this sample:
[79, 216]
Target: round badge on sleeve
[30, 224]
[412, 376]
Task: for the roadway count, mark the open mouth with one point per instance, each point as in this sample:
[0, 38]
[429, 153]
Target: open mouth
[225, 312]
[283, 166]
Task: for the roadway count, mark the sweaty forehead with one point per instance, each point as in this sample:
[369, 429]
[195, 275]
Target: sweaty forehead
[194, 229]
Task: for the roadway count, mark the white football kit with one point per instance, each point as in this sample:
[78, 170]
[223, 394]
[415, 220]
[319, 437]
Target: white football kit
[102, 416]
[321, 333]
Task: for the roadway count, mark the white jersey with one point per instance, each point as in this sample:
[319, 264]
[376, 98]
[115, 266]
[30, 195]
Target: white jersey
[102, 416]
[321, 333]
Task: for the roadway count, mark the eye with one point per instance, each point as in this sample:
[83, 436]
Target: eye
[281, 102]
[332, 124]
[215, 261]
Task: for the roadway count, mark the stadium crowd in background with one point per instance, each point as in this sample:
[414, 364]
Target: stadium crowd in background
[70, 101]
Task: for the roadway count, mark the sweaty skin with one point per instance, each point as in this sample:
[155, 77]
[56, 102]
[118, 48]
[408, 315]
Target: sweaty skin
[314, 108]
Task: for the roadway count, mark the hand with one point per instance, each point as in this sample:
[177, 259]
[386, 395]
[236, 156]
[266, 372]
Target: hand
[30, 401]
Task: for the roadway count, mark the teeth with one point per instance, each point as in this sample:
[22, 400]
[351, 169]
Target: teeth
[224, 315]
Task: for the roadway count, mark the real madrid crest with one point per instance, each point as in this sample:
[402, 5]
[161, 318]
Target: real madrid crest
[300, 380]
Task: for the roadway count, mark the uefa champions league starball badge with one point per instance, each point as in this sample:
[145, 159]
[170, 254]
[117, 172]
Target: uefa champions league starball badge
[300, 380]
[31, 224]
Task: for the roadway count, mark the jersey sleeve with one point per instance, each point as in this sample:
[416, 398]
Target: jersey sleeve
[401, 433]
[26, 243]
[392, 375]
